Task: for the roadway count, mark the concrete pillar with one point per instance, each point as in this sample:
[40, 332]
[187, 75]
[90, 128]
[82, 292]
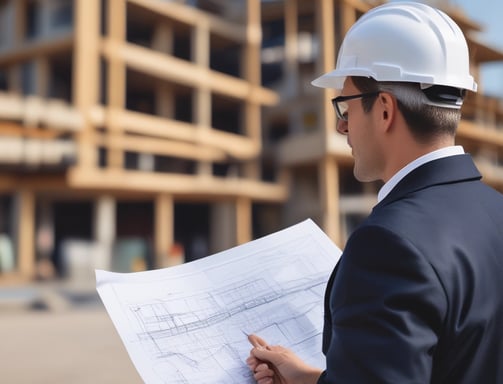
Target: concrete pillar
[230, 224]
[104, 230]
[163, 39]
[14, 79]
[45, 239]
[42, 77]
[222, 226]
[165, 98]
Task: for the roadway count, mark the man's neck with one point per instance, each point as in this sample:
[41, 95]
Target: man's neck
[406, 153]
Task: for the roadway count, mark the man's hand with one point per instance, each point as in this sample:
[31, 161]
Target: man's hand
[278, 365]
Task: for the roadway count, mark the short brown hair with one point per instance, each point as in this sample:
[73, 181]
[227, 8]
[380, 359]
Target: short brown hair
[426, 122]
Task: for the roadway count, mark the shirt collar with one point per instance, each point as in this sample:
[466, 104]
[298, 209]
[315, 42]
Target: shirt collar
[438, 154]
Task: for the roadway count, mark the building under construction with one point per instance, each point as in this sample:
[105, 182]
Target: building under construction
[137, 134]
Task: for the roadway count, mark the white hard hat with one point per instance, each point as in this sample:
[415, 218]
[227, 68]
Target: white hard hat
[403, 41]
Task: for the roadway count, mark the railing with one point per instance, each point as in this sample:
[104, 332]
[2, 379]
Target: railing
[34, 112]
[36, 153]
[34, 132]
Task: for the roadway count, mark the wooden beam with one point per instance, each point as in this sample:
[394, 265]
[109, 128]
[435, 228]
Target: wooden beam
[474, 131]
[253, 40]
[86, 59]
[86, 77]
[161, 147]
[193, 16]
[164, 230]
[26, 233]
[116, 81]
[176, 184]
[186, 73]
[27, 51]
[360, 5]
[237, 146]
[326, 63]
[202, 93]
[291, 65]
[251, 65]
[348, 12]
[243, 220]
[492, 174]
[17, 130]
[38, 182]
[329, 196]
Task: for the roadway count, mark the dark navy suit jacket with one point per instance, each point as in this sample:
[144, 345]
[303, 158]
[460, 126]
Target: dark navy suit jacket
[417, 296]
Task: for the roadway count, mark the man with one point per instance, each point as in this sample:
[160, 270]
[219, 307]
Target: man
[417, 296]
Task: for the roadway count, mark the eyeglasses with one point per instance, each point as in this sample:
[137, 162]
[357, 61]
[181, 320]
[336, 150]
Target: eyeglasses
[341, 106]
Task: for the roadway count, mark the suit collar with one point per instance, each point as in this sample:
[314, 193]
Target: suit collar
[430, 156]
[446, 170]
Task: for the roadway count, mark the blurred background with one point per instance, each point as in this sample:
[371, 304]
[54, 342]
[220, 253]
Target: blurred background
[140, 134]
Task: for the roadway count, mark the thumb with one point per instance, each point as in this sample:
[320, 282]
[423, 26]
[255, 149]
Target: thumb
[263, 351]
[266, 354]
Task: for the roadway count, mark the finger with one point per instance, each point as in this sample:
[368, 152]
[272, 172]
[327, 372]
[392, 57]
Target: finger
[262, 371]
[257, 341]
[252, 363]
[262, 367]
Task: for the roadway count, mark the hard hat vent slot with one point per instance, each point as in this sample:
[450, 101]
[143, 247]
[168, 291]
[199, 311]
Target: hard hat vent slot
[445, 95]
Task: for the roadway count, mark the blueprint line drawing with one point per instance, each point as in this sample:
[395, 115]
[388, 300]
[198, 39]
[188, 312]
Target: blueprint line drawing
[188, 324]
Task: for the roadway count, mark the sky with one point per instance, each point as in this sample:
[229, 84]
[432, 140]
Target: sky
[489, 14]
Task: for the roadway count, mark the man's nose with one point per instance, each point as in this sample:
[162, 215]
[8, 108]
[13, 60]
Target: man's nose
[342, 127]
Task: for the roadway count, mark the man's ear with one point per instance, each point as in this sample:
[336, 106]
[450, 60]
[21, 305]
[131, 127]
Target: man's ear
[387, 109]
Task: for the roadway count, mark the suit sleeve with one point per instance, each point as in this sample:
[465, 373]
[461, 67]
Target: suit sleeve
[387, 307]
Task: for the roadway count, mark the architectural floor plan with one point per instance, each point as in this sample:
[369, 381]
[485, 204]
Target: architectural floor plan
[188, 324]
